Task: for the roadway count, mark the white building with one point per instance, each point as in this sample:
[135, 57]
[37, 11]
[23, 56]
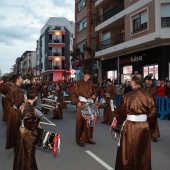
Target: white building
[53, 49]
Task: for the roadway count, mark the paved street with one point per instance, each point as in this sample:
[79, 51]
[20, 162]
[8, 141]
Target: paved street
[92, 157]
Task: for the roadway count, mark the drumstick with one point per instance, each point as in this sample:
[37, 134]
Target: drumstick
[49, 122]
[52, 124]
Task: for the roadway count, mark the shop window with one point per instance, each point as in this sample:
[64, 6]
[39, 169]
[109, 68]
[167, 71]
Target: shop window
[112, 75]
[151, 70]
[139, 22]
[165, 15]
[127, 70]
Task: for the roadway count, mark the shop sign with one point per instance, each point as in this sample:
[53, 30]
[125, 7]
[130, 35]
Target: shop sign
[129, 60]
[136, 58]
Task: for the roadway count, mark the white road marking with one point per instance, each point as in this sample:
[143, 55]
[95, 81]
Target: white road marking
[99, 160]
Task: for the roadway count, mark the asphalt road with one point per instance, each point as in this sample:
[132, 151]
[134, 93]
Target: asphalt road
[101, 156]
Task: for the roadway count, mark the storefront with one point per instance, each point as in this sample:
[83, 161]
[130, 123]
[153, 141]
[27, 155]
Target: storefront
[154, 62]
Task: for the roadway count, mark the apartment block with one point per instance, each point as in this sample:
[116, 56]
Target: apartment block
[26, 65]
[133, 37]
[85, 22]
[53, 49]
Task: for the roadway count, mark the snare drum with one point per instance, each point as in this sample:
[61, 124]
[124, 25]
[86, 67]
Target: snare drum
[103, 102]
[48, 141]
[48, 104]
[89, 109]
[45, 139]
[90, 112]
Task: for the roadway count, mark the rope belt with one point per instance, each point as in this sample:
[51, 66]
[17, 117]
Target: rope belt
[83, 99]
[133, 118]
[137, 118]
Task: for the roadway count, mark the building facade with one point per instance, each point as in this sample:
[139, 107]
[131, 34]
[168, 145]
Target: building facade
[85, 22]
[26, 65]
[53, 49]
[134, 37]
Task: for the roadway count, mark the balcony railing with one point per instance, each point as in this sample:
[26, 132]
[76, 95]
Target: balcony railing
[140, 28]
[165, 22]
[55, 41]
[55, 54]
[115, 10]
[53, 68]
[118, 39]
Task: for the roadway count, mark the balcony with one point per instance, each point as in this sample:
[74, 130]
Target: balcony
[115, 10]
[118, 39]
[56, 43]
[57, 31]
[53, 68]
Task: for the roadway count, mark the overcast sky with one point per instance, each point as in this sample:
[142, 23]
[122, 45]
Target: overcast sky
[21, 22]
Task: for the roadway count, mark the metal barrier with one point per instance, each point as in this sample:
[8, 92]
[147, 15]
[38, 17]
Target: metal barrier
[163, 105]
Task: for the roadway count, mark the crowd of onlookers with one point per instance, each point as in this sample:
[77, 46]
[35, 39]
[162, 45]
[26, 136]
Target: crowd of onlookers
[162, 86]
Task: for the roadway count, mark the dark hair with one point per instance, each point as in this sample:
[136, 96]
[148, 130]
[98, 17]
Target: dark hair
[31, 93]
[137, 78]
[109, 80]
[87, 71]
[147, 78]
[15, 77]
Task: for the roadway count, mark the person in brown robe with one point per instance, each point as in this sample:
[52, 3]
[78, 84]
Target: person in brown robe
[151, 89]
[4, 89]
[109, 114]
[137, 110]
[24, 158]
[15, 98]
[44, 94]
[58, 97]
[83, 89]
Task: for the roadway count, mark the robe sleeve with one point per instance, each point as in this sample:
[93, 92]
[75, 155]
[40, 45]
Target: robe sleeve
[152, 116]
[74, 95]
[121, 111]
[153, 91]
[113, 93]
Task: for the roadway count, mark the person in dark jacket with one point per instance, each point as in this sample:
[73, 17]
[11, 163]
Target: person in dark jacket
[128, 87]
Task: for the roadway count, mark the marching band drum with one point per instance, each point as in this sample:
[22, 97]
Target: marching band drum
[90, 112]
[46, 139]
[48, 103]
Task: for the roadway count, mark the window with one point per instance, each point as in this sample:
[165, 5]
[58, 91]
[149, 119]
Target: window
[82, 24]
[151, 70]
[106, 40]
[93, 19]
[165, 15]
[139, 21]
[81, 4]
[127, 69]
[80, 45]
[112, 74]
